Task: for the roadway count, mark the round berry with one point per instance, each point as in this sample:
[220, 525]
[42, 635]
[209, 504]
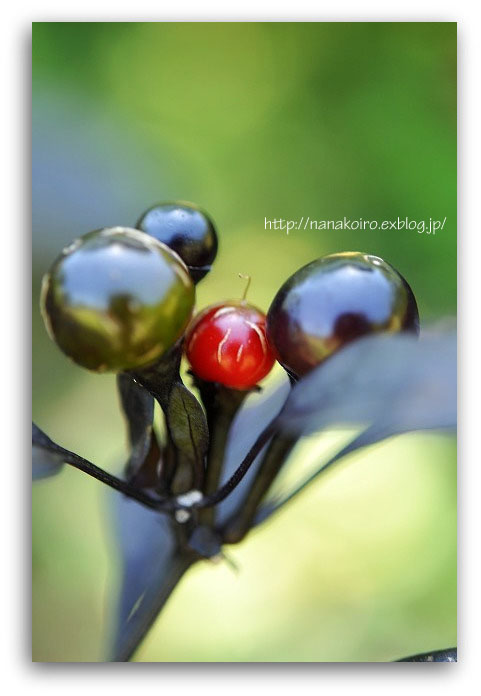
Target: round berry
[116, 299]
[227, 343]
[333, 301]
[187, 230]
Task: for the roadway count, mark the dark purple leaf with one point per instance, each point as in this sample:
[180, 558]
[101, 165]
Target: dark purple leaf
[449, 655]
[416, 390]
[396, 382]
[47, 460]
[138, 408]
[151, 567]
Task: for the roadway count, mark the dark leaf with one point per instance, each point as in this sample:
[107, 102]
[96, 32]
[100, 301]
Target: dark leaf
[425, 399]
[138, 407]
[397, 382]
[152, 565]
[188, 427]
[449, 655]
[47, 459]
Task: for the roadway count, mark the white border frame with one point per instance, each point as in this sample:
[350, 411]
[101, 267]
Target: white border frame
[360, 678]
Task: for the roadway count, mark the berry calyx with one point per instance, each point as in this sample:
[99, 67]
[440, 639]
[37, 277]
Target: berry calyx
[116, 299]
[333, 301]
[186, 229]
[227, 343]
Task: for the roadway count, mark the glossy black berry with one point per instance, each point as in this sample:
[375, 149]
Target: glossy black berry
[186, 229]
[116, 299]
[333, 301]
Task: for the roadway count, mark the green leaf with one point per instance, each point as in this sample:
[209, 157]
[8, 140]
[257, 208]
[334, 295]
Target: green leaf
[188, 428]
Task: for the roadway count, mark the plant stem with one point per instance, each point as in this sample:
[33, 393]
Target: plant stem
[221, 405]
[40, 439]
[359, 441]
[276, 454]
[87, 467]
[241, 471]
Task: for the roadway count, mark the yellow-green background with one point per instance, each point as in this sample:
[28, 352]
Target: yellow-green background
[251, 121]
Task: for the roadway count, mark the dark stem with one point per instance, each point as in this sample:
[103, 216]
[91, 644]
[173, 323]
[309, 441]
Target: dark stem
[163, 505]
[171, 505]
[159, 378]
[40, 439]
[268, 510]
[241, 471]
[222, 405]
[87, 467]
[276, 454]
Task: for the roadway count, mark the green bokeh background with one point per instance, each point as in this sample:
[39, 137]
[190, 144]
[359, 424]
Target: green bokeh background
[251, 121]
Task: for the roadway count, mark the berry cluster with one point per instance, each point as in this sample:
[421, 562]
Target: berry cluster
[119, 298]
[122, 300]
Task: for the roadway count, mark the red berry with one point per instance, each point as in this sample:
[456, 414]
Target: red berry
[227, 343]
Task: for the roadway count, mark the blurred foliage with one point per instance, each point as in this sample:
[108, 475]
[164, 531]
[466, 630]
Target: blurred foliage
[251, 121]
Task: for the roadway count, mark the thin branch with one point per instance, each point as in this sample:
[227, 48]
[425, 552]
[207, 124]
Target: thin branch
[87, 467]
[268, 510]
[241, 471]
[75, 460]
[278, 451]
[164, 505]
